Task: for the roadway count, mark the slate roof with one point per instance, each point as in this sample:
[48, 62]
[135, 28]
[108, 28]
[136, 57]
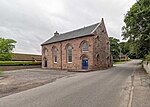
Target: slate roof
[73, 34]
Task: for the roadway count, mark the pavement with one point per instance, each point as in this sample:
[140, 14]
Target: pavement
[141, 92]
[103, 88]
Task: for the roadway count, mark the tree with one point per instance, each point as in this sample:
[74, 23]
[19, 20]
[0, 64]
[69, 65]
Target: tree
[6, 47]
[137, 28]
[124, 47]
[114, 47]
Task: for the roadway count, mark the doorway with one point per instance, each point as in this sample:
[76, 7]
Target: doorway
[85, 63]
[45, 62]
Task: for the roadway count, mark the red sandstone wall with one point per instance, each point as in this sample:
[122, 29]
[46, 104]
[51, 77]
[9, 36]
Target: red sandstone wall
[101, 48]
[98, 45]
[76, 54]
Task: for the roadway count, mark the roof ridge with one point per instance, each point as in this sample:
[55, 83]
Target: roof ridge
[81, 28]
[88, 30]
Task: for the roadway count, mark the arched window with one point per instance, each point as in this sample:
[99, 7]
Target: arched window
[55, 55]
[108, 46]
[97, 59]
[85, 47]
[69, 54]
[45, 52]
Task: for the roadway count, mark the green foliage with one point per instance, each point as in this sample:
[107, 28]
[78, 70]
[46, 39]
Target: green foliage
[114, 47]
[148, 57]
[124, 47]
[18, 63]
[118, 62]
[6, 47]
[137, 28]
[5, 57]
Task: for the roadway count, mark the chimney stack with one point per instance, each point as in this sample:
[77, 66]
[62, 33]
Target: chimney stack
[56, 34]
[102, 20]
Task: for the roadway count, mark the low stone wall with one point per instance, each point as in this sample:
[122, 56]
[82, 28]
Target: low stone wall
[146, 66]
[8, 68]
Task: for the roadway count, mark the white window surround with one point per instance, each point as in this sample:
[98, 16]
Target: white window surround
[46, 52]
[69, 54]
[55, 55]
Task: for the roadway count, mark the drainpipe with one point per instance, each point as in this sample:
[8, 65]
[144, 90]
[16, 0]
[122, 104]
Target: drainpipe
[61, 54]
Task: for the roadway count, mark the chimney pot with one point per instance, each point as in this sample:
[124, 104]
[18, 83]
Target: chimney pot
[56, 34]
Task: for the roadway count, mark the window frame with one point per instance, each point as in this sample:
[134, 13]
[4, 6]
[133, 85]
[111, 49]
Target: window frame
[69, 54]
[55, 55]
[86, 46]
[45, 52]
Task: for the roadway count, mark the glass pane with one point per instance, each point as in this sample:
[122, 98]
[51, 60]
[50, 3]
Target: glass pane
[55, 55]
[69, 54]
[85, 47]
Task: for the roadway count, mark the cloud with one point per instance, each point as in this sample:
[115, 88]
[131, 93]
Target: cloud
[31, 22]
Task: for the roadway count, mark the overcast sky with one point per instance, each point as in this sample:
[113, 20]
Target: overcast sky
[31, 22]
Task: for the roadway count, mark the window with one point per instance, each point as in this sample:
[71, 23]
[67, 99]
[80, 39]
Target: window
[98, 59]
[69, 51]
[45, 52]
[108, 46]
[55, 55]
[85, 47]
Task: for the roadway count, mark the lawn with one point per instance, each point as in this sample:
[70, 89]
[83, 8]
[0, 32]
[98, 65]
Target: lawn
[18, 63]
[119, 62]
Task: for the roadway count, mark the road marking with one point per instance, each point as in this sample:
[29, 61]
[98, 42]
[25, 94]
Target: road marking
[131, 97]
[132, 88]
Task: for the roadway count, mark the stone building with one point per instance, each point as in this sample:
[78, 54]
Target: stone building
[87, 48]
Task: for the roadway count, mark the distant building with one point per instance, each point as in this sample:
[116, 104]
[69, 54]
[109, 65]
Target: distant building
[87, 48]
[26, 57]
[123, 57]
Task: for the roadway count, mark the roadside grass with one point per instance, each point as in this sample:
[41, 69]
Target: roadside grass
[18, 63]
[120, 62]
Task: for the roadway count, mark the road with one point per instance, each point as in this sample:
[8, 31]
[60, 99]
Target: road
[104, 88]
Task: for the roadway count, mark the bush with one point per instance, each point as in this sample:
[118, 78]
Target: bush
[18, 63]
[148, 57]
[128, 59]
[6, 57]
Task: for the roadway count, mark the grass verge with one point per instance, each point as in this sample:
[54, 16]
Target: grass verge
[118, 62]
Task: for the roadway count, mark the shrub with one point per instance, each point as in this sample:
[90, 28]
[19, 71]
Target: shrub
[148, 57]
[18, 63]
[6, 57]
[128, 59]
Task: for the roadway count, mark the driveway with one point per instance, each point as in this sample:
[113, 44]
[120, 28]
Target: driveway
[20, 80]
[104, 88]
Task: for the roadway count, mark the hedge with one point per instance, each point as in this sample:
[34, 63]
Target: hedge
[18, 63]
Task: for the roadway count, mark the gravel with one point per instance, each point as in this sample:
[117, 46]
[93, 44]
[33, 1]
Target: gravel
[20, 80]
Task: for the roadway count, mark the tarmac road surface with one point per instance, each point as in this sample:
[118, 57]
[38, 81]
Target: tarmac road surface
[103, 88]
